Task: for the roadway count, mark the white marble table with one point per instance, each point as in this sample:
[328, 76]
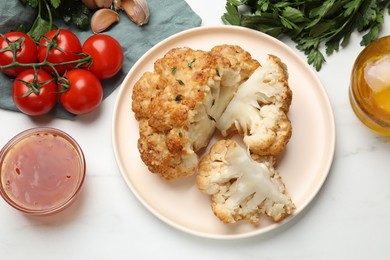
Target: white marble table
[349, 218]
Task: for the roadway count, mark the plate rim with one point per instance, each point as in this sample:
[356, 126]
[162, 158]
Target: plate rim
[257, 232]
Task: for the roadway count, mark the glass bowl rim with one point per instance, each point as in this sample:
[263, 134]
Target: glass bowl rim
[81, 176]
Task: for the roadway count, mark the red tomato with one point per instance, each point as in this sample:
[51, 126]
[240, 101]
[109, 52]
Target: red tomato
[65, 47]
[85, 92]
[106, 53]
[26, 52]
[34, 93]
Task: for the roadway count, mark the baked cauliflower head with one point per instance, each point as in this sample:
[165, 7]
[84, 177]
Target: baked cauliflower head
[242, 187]
[259, 109]
[177, 104]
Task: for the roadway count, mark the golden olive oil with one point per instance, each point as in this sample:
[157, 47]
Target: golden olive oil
[370, 86]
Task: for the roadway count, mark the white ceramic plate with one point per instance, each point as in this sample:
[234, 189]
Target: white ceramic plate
[305, 163]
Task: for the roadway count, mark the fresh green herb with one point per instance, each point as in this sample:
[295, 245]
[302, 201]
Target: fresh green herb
[180, 81]
[180, 134]
[178, 98]
[311, 23]
[70, 11]
[173, 70]
[189, 63]
[217, 71]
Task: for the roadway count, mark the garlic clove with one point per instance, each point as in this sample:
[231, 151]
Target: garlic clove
[90, 4]
[103, 3]
[136, 10]
[102, 19]
[117, 4]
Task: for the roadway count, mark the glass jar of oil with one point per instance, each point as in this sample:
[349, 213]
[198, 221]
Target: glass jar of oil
[370, 86]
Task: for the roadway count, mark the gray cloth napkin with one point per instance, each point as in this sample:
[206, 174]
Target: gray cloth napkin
[167, 17]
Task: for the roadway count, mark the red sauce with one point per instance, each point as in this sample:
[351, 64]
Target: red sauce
[41, 171]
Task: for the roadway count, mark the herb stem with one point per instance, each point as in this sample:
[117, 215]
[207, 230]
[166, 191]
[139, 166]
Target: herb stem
[49, 13]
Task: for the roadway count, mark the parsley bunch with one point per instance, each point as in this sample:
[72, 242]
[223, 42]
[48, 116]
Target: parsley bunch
[311, 23]
[70, 11]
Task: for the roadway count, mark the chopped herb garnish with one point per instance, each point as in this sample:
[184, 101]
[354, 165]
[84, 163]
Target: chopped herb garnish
[180, 134]
[219, 75]
[178, 98]
[173, 70]
[189, 64]
[180, 81]
[213, 102]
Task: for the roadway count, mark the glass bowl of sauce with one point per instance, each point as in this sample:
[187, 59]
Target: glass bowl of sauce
[370, 86]
[42, 171]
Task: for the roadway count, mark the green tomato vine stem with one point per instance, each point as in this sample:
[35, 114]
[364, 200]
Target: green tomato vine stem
[80, 62]
[84, 60]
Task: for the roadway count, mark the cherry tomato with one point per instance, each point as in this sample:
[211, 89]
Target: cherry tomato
[84, 93]
[66, 47]
[106, 53]
[34, 93]
[26, 51]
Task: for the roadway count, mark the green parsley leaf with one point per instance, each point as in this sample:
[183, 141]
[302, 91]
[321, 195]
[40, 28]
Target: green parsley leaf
[80, 17]
[293, 14]
[232, 16]
[55, 3]
[39, 28]
[371, 36]
[316, 58]
[351, 7]
[311, 24]
[70, 11]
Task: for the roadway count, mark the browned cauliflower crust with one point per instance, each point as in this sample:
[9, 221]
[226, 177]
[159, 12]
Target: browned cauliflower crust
[259, 109]
[177, 104]
[242, 188]
[238, 58]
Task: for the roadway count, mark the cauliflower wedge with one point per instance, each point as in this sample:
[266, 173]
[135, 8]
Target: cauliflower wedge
[242, 188]
[177, 105]
[259, 109]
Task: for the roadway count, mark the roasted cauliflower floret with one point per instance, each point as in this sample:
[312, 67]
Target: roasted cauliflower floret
[177, 106]
[242, 188]
[259, 109]
[238, 58]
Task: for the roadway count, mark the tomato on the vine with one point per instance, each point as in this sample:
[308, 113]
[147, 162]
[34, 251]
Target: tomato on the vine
[64, 46]
[25, 51]
[34, 92]
[107, 55]
[81, 92]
